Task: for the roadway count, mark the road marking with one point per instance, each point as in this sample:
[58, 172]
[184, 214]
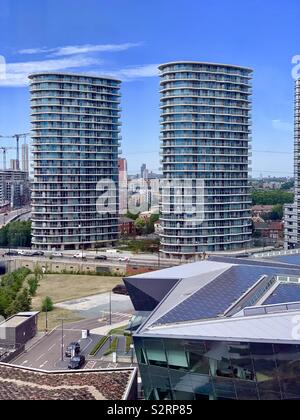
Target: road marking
[52, 347]
[40, 357]
[44, 364]
[25, 362]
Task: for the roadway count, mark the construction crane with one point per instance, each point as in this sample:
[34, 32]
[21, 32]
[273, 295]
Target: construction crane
[18, 137]
[4, 150]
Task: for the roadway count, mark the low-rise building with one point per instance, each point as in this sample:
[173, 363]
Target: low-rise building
[127, 226]
[223, 329]
[19, 329]
[29, 384]
[14, 188]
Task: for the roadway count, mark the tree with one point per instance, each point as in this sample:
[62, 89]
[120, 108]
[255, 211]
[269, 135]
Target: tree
[47, 305]
[272, 197]
[33, 285]
[276, 213]
[132, 216]
[24, 300]
[22, 303]
[38, 273]
[288, 185]
[16, 234]
[140, 226]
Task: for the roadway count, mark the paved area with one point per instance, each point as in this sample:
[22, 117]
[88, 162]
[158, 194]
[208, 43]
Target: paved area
[46, 353]
[93, 306]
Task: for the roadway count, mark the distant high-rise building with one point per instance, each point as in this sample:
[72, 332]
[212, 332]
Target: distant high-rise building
[14, 165]
[25, 158]
[292, 211]
[143, 168]
[206, 134]
[123, 186]
[14, 188]
[76, 138]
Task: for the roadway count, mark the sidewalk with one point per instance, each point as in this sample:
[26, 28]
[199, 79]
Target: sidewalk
[105, 330]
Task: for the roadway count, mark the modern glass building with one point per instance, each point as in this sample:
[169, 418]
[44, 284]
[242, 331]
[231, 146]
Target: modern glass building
[76, 136]
[222, 329]
[205, 141]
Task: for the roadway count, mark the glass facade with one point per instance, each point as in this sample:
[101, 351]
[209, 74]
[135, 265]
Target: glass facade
[178, 369]
[205, 135]
[76, 136]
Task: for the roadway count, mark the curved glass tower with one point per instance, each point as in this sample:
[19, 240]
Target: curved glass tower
[76, 126]
[206, 136]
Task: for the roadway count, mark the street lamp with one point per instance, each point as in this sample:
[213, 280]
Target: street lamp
[110, 318]
[62, 340]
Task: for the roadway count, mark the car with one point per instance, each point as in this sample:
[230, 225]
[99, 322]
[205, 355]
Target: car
[124, 259]
[57, 254]
[77, 362]
[101, 257]
[120, 289]
[80, 255]
[11, 253]
[73, 349]
[37, 254]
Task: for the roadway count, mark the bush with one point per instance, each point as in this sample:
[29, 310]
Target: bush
[47, 305]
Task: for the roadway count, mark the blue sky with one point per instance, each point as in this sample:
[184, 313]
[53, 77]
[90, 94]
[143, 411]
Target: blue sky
[129, 38]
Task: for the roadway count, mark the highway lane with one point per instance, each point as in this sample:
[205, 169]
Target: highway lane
[110, 262]
[6, 218]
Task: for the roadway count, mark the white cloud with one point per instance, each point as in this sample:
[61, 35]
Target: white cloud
[80, 49]
[136, 72]
[17, 73]
[282, 125]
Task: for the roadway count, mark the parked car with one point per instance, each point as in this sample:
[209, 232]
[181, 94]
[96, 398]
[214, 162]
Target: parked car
[73, 348]
[77, 362]
[101, 257]
[120, 289]
[57, 254]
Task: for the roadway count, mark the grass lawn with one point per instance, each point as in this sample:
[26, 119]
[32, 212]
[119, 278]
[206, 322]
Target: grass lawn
[54, 318]
[63, 287]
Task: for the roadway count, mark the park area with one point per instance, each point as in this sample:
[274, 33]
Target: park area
[68, 287]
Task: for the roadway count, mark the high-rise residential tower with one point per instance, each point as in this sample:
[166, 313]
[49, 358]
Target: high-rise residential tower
[25, 158]
[292, 211]
[76, 136]
[206, 136]
[123, 186]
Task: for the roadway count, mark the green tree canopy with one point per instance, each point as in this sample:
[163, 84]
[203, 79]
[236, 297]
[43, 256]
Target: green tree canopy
[273, 197]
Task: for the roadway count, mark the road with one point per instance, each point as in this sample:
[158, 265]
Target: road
[6, 218]
[111, 261]
[46, 353]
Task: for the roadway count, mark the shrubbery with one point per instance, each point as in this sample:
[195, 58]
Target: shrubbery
[14, 296]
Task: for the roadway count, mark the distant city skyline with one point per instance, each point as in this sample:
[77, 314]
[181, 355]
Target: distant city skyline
[129, 41]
